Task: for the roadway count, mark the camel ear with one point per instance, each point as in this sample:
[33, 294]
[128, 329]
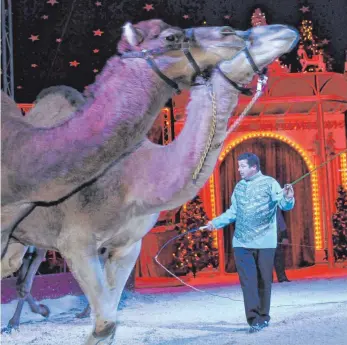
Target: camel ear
[132, 35]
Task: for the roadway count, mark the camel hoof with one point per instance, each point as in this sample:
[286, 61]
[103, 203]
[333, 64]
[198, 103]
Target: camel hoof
[44, 310]
[85, 313]
[105, 337]
[9, 328]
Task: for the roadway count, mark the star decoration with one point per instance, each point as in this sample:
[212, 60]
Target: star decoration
[33, 65]
[34, 38]
[52, 2]
[96, 51]
[325, 41]
[227, 17]
[148, 7]
[74, 63]
[58, 40]
[305, 9]
[45, 17]
[98, 3]
[95, 70]
[186, 16]
[98, 32]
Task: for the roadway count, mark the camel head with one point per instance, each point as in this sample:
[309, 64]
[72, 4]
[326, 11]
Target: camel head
[264, 45]
[167, 46]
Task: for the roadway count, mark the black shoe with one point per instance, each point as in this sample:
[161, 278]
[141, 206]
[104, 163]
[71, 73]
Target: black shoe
[284, 280]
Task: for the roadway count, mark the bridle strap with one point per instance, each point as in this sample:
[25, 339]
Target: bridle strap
[189, 37]
[251, 61]
[244, 90]
[167, 80]
[184, 46]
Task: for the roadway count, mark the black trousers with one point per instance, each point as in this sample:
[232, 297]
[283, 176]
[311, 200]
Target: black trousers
[279, 263]
[254, 267]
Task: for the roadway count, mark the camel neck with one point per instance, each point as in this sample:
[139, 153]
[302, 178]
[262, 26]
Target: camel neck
[184, 154]
[125, 104]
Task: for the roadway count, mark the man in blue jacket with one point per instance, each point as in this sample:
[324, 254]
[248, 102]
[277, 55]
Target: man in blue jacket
[253, 208]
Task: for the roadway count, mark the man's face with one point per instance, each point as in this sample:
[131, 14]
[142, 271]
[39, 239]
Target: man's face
[245, 170]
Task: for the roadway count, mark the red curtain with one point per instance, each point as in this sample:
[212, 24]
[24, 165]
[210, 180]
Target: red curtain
[279, 160]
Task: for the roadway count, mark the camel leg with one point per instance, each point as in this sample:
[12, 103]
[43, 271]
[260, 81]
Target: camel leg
[118, 270]
[26, 278]
[11, 215]
[25, 281]
[86, 311]
[13, 324]
[10, 263]
[14, 321]
[13, 258]
[37, 308]
[87, 269]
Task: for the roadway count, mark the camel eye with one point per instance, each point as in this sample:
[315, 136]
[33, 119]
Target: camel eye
[170, 38]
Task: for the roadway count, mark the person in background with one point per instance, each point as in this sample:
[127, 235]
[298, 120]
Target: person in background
[253, 208]
[282, 239]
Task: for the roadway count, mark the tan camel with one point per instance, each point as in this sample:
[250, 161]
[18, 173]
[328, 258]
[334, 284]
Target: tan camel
[41, 166]
[52, 105]
[118, 209]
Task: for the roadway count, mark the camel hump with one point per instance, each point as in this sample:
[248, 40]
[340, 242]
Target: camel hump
[9, 106]
[69, 93]
[54, 105]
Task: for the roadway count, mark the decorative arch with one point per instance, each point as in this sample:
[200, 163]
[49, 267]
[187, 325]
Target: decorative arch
[343, 166]
[316, 207]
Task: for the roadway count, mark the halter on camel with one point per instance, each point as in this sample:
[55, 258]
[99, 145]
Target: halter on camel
[187, 41]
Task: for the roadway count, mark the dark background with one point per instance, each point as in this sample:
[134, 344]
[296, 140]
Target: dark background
[75, 20]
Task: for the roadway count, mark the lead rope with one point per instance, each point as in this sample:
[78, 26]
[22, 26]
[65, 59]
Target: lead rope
[262, 80]
[211, 134]
[184, 283]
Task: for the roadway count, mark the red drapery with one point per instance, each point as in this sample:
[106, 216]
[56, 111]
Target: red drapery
[281, 161]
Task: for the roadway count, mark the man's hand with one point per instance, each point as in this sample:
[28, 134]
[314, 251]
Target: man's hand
[288, 191]
[285, 242]
[210, 226]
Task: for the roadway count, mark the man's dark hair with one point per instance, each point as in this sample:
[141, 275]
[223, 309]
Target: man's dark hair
[252, 159]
